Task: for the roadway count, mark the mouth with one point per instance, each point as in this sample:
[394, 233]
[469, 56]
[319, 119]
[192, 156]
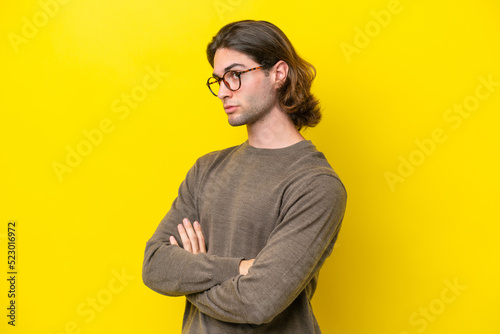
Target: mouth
[229, 109]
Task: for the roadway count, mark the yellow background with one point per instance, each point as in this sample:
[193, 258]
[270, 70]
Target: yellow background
[401, 243]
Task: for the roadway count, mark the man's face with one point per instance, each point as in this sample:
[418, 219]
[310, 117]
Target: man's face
[257, 95]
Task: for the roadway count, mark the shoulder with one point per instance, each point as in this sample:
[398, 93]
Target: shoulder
[214, 156]
[211, 160]
[321, 183]
[312, 167]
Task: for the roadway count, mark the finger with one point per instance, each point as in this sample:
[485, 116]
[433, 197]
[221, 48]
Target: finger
[173, 241]
[184, 238]
[201, 238]
[192, 236]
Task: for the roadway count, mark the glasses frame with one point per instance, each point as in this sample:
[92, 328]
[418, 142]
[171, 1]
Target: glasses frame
[238, 73]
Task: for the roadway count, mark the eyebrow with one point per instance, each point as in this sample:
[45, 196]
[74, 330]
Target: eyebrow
[228, 68]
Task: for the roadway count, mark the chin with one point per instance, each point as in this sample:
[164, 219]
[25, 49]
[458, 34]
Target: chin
[234, 120]
[235, 124]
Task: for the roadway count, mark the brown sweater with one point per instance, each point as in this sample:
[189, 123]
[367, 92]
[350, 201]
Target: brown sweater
[283, 207]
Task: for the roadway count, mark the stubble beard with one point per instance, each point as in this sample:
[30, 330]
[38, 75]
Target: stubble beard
[257, 110]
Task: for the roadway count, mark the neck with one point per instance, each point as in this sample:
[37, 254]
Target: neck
[276, 130]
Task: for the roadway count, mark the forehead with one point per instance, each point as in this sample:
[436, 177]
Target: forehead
[226, 59]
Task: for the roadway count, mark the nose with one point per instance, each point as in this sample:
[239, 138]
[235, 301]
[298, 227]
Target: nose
[224, 91]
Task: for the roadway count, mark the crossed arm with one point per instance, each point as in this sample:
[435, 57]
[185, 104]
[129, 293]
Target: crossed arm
[223, 287]
[194, 242]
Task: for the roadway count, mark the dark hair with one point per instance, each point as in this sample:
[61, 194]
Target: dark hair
[266, 44]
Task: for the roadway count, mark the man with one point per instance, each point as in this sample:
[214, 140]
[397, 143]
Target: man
[266, 213]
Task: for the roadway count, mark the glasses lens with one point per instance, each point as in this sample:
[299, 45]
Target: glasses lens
[213, 85]
[232, 78]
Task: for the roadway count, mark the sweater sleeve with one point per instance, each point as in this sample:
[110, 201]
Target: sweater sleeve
[170, 270]
[297, 248]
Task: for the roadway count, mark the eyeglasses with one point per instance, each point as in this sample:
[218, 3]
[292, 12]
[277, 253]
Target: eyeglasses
[231, 79]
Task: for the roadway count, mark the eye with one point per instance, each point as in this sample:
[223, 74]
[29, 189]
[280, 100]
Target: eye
[235, 75]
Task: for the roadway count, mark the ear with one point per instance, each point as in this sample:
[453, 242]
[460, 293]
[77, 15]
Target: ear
[281, 73]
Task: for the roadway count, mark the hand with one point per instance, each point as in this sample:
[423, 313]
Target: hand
[192, 238]
[245, 265]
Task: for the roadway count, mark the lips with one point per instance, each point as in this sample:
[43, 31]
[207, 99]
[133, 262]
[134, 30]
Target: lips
[230, 108]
